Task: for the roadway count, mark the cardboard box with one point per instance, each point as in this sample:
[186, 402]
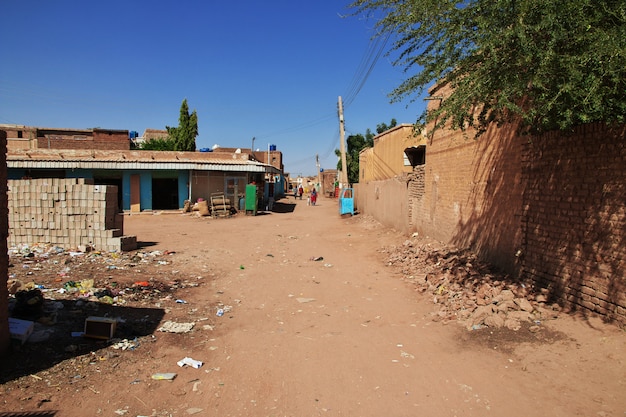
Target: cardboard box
[100, 327]
[20, 329]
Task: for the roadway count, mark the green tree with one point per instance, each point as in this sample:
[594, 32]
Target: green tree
[554, 63]
[184, 136]
[380, 128]
[158, 144]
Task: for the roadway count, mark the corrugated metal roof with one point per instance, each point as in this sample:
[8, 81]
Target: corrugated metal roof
[243, 167]
[125, 160]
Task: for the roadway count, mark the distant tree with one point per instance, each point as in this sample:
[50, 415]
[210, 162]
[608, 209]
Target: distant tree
[184, 136]
[553, 63]
[158, 144]
[380, 128]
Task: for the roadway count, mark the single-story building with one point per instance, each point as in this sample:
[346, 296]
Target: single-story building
[149, 180]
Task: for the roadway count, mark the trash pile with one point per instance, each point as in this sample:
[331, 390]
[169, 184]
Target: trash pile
[62, 274]
[467, 290]
[58, 292]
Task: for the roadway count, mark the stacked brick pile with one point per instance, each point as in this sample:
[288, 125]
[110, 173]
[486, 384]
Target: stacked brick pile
[70, 213]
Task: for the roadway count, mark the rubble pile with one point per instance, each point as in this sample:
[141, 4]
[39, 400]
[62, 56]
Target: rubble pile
[467, 290]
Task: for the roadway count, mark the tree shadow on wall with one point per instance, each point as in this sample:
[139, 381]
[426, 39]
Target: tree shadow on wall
[538, 209]
[575, 213]
[489, 218]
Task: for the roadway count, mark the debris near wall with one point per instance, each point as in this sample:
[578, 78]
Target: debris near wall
[467, 290]
[68, 212]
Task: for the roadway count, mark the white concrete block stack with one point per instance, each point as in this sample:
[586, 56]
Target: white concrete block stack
[72, 213]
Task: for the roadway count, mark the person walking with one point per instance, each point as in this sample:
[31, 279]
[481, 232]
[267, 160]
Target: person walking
[313, 196]
[300, 192]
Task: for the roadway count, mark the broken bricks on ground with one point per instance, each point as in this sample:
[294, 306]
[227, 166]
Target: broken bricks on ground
[466, 290]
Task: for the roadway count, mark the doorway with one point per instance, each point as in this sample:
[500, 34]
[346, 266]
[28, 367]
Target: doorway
[165, 194]
[235, 190]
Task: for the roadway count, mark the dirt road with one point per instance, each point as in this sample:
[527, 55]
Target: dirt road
[342, 335]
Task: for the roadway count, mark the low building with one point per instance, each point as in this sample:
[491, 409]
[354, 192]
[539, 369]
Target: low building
[396, 152]
[146, 180]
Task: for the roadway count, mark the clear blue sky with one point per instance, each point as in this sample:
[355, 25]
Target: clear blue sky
[271, 69]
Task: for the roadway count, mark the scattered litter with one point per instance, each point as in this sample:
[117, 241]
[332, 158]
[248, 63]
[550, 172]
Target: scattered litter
[20, 329]
[100, 327]
[305, 300]
[40, 335]
[317, 258]
[241, 267]
[172, 327]
[179, 301]
[220, 312]
[164, 376]
[328, 265]
[126, 344]
[189, 362]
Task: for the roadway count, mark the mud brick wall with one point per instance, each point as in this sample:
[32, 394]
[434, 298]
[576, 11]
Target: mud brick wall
[473, 194]
[574, 222]
[416, 188]
[70, 213]
[4, 257]
[551, 208]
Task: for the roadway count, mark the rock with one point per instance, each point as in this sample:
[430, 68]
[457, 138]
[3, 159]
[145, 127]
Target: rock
[512, 324]
[520, 315]
[494, 321]
[523, 304]
[464, 314]
[541, 298]
[506, 306]
[480, 314]
[507, 295]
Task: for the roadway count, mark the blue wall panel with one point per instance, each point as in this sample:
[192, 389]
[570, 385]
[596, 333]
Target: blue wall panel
[183, 188]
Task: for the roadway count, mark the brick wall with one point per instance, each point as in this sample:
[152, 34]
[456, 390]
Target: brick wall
[416, 191]
[548, 207]
[473, 194]
[574, 223]
[4, 258]
[97, 139]
[69, 213]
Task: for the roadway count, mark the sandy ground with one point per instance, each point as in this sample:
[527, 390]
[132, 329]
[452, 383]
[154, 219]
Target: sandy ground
[345, 335]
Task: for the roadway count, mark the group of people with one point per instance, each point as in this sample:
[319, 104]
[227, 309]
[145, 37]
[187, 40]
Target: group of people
[311, 200]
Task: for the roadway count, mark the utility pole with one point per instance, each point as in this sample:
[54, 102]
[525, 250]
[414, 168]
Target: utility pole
[342, 148]
[317, 164]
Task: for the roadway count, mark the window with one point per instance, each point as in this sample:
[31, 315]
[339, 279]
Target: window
[415, 156]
